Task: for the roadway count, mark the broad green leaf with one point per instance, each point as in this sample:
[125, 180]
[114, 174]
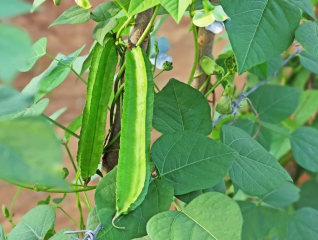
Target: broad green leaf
[138, 6]
[105, 11]
[24, 143]
[254, 170]
[202, 19]
[258, 220]
[143, 238]
[12, 101]
[280, 145]
[211, 216]
[73, 15]
[304, 143]
[33, 85]
[190, 161]
[308, 195]
[285, 195]
[103, 28]
[307, 36]
[300, 79]
[92, 220]
[51, 81]
[87, 63]
[308, 105]
[15, 49]
[260, 30]
[158, 199]
[264, 136]
[309, 62]
[274, 103]
[13, 8]
[306, 6]
[36, 4]
[207, 65]
[38, 51]
[180, 107]
[34, 224]
[2, 234]
[124, 4]
[74, 126]
[70, 59]
[61, 236]
[268, 68]
[188, 197]
[175, 7]
[304, 225]
[34, 110]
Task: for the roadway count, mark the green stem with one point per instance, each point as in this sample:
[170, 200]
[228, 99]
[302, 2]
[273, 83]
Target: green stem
[76, 223]
[112, 141]
[70, 155]
[148, 28]
[53, 190]
[70, 67]
[205, 83]
[198, 75]
[123, 27]
[159, 73]
[176, 205]
[79, 205]
[196, 52]
[156, 86]
[216, 84]
[122, 6]
[75, 168]
[61, 126]
[11, 206]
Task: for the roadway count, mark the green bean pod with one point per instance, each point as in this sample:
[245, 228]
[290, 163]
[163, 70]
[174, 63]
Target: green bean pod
[99, 89]
[134, 156]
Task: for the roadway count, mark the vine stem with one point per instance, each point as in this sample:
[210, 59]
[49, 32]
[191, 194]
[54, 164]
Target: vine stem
[52, 190]
[70, 67]
[60, 126]
[148, 28]
[69, 216]
[176, 206]
[216, 84]
[123, 26]
[196, 52]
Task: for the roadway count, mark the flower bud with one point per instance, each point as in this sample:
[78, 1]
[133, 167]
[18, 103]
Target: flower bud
[5, 211]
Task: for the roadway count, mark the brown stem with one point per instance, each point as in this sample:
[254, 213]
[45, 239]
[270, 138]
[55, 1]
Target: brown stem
[205, 40]
[110, 159]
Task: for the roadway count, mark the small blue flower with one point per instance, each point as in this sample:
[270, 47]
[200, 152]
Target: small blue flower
[162, 57]
[216, 27]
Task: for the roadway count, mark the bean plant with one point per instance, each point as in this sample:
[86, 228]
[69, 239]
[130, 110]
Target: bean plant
[242, 166]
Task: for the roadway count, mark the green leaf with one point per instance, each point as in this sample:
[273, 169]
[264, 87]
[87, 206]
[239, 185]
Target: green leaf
[255, 170]
[138, 6]
[36, 4]
[158, 199]
[202, 19]
[306, 6]
[274, 103]
[34, 224]
[285, 195]
[124, 4]
[70, 59]
[210, 216]
[258, 220]
[143, 238]
[51, 81]
[307, 36]
[265, 33]
[190, 161]
[300, 79]
[13, 8]
[93, 220]
[267, 69]
[15, 48]
[264, 137]
[24, 143]
[308, 105]
[175, 7]
[207, 65]
[34, 110]
[304, 143]
[103, 28]
[12, 101]
[2, 234]
[61, 236]
[180, 107]
[308, 195]
[105, 11]
[73, 15]
[188, 197]
[33, 87]
[74, 126]
[309, 62]
[58, 113]
[304, 225]
[38, 51]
